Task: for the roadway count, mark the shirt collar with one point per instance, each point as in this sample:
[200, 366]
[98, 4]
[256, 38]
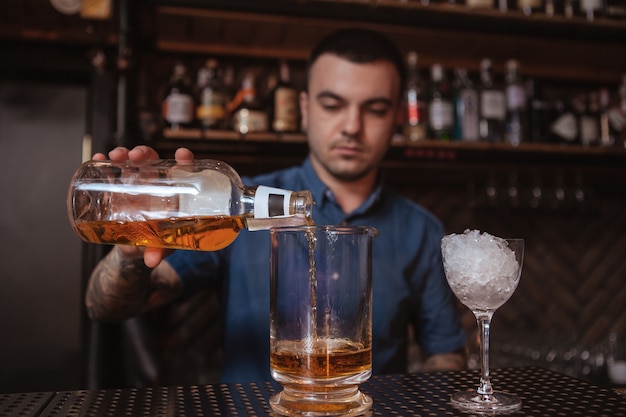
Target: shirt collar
[322, 194]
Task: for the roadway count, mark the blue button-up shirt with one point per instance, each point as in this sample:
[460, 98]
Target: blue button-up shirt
[409, 286]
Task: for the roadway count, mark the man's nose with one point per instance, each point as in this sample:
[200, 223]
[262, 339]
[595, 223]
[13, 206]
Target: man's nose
[353, 122]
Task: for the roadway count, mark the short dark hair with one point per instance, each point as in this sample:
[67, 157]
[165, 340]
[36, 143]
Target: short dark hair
[360, 46]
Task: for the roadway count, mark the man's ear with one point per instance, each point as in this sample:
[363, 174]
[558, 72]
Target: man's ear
[304, 110]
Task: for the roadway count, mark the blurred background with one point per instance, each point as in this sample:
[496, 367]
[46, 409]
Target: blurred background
[80, 76]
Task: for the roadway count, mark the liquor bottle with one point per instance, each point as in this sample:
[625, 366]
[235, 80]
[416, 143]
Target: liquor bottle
[466, 107]
[479, 4]
[492, 105]
[211, 110]
[284, 115]
[515, 122]
[415, 105]
[177, 107]
[201, 205]
[607, 133]
[591, 8]
[564, 128]
[620, 126]
[502, 5]
[616, 9]
[440, 108]
[589, 118]
[538, 113]
[529, 7]
[247, 111]
[570, 8]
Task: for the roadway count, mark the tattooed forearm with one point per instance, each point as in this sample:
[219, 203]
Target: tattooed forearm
[118, 288]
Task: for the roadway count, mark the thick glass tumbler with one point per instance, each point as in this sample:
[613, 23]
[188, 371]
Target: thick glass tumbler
[321, 319]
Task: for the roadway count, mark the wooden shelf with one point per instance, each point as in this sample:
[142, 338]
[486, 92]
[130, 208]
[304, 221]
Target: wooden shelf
[551, 48]
[268, 144]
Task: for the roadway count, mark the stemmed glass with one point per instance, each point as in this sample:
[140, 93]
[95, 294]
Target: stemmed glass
[483, 272]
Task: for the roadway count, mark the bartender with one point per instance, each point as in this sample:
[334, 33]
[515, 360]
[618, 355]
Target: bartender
[349, 112]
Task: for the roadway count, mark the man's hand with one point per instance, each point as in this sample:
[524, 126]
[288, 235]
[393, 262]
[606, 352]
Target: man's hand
[151, 256]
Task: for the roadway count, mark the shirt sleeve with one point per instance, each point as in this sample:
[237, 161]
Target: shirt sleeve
[197, 270]
[440, 328]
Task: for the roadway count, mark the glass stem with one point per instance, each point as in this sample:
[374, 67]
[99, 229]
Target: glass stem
[484, 389]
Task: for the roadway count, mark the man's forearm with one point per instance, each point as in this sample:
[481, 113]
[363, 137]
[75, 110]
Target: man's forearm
[452, 361]
[119, 287]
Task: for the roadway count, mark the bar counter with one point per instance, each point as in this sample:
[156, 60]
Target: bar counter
[543, 392]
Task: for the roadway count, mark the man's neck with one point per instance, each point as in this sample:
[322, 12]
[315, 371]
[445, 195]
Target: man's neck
[349, 195]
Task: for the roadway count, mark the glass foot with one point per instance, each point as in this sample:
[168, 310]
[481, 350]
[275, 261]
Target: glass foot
[498, 402]
[306, 403]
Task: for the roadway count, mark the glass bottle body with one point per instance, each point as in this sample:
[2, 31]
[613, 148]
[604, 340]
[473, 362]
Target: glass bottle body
[211, 97]
[177, 107]
[414, 104]
[492, 104]
[466, 107]
[283, 109]
[440, 108]
[199, 206]
[515, 125]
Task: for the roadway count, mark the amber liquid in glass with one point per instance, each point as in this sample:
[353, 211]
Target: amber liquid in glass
[208, 233]
[327, 360]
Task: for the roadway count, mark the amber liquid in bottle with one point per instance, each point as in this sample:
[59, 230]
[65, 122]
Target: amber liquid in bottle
[208, 233]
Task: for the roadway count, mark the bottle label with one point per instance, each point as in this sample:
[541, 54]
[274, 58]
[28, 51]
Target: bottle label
[468, 115]
[493, 105]
[480, 3]
[271, 202]
[589, 131]
[528, 3]
[565, 127]
[212, 107]
[590, 4]
[247, 120]
[178, 108]
[285, 110]
[515, 97]
[440, 114]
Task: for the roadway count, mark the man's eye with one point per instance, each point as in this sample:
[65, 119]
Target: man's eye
[331, 106]
[378, 111]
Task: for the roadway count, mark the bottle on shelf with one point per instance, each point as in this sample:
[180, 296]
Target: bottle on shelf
[440, 108]
[615, 9]
[570, 8]
[247, 113]
[177, 107]
[212, 100]
[284, 114]
[621, 127]
[479, 4]
[465, 107]
[492, 105]
[564, 8]
[415, 106]
[515, 122]
[591, 8]
[564, 128]
[199, 206]
[589, 118]
[538, 114]
[530, 7]
[503, 5]
[607, 133]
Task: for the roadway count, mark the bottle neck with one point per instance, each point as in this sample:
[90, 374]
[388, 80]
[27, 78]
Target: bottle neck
[274, 207]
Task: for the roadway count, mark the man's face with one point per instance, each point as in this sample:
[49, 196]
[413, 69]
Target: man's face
[349, 114]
